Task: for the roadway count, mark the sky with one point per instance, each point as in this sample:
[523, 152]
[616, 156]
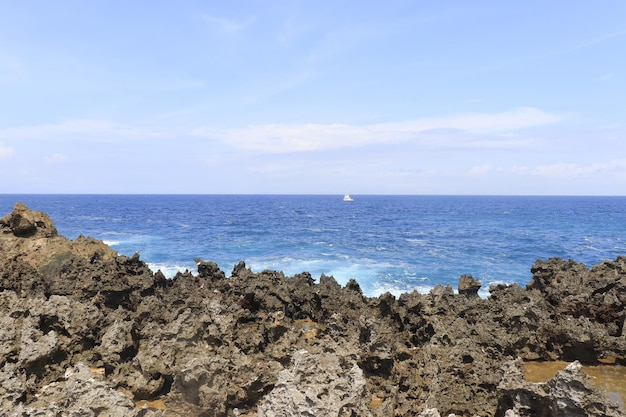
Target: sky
[313, 97]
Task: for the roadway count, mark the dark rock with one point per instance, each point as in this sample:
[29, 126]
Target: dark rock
[354, 286]
[468, 285]
[22, 222]
[240, 269]
[266, 344]
[209, 270]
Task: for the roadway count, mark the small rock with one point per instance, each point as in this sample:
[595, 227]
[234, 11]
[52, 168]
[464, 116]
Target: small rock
[468, 285]
[23, 222]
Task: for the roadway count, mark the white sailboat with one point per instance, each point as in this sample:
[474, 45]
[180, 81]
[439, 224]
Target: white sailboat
[347, 197]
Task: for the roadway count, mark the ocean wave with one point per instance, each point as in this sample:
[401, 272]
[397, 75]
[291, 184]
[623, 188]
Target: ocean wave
[170, 270]
[392, 244]
[90, 218]
[484, 290]
[396, 289]
[362, 270]
[418, 242]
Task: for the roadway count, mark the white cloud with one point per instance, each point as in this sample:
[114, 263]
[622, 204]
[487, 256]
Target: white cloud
[476, 131]
[56, 158]
[480, 171]
[573, 170]
[6, 152]
[228, 26]
[576, 170]
[453, 131]
[276, 138]
[503, 122]
[79, 128]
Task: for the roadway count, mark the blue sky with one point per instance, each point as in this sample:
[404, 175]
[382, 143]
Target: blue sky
[366, 97]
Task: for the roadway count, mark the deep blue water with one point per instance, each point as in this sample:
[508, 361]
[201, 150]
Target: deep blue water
[387, 243]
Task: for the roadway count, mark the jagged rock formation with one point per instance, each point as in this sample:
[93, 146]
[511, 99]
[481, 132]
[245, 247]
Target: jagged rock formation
[84, 331]
[569, 393]
[22, 222]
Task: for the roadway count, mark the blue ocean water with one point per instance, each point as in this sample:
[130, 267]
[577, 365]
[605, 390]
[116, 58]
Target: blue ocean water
[386, 243]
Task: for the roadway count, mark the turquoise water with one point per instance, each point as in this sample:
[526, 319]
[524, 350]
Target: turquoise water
[387, 243]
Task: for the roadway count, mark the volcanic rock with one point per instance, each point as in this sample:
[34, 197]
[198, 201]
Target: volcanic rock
[78, 393]
[468, 285]
[22, 222]
[317, 385]
[569, 393]
[85, 331]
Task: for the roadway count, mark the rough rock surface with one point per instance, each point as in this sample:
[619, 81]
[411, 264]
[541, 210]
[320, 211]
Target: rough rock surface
[317, 385]
[23, 222]
[84, 331]
[468, 285]
[570, 393]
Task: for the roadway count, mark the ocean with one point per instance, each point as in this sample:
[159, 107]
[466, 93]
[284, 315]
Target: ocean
[386, 243]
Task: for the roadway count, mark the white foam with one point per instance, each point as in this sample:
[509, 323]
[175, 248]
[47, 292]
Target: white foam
[418, 242]
[170, 270]
[484, 290]
[362, 271]
[396, 290]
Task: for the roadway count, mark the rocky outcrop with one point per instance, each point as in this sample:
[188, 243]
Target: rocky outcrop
[468, 285]
[324, 384]
[22, 222]
[570, 393]
[78, 393]
[85, 331]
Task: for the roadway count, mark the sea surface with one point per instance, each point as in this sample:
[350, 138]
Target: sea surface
[386, 243]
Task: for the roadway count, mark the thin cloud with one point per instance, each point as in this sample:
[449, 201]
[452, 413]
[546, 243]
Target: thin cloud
[6, 152]
[605, 77]
[84, 129]
[57, 158]
[573, 170]
[228, 26]
[314, 137]
[597, 40]
[480, 171]
[275, 87]
[474, 130]
[568, 170]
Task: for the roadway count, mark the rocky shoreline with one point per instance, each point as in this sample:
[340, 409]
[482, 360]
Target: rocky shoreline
[85, 331]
